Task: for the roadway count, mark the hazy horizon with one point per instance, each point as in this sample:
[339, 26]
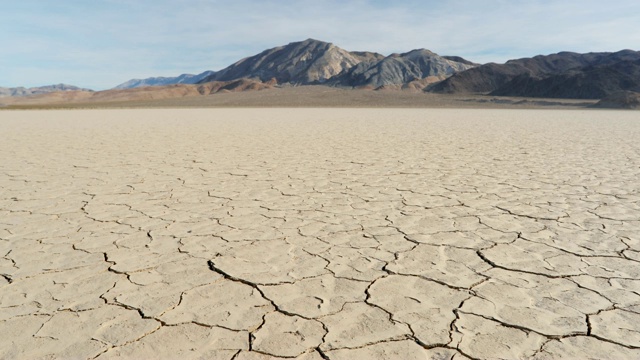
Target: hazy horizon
[101, 44]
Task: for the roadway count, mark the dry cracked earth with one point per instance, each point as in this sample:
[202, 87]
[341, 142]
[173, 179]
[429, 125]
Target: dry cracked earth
[319, 234]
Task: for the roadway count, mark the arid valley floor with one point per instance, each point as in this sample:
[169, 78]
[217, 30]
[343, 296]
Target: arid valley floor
[319, 233]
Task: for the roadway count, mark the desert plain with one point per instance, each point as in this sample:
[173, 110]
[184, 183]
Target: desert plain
[319, 234]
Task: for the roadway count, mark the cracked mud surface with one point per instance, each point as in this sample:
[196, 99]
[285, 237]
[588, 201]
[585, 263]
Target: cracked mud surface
[319, 234]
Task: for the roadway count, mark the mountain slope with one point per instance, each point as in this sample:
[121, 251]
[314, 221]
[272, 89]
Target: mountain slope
[21, 91]
[620, 100]
[591, 82]
[304, 62]
[173, 91]
[491, 77]
[461, 60]
[400, 69]
[317, 62]
[160, 81]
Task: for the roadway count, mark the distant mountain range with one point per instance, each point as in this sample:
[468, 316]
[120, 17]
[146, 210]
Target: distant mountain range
[21, 91]
[313, 62]
[161, 81]
[561, 75]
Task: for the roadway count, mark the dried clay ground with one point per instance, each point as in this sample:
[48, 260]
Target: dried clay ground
[319, 233]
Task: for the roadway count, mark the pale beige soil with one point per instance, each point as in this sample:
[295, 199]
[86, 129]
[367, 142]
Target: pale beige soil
[311, 233]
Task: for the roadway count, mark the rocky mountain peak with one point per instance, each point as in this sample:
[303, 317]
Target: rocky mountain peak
[404, 68]
[313, 61]
[303, 62]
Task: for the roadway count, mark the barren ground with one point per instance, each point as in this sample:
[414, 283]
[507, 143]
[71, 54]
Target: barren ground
[289, 96]
[319, 233]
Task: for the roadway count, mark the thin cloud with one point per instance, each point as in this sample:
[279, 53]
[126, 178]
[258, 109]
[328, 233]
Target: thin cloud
[99, 44]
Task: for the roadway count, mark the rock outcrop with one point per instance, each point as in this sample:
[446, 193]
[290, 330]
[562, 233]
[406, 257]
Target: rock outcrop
[562, 75]
[304, 62]
[400, 69]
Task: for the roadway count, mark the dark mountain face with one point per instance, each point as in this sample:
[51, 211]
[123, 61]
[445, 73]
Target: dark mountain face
[482, 79]
[399, 69]
[564, 61]
[304, 62]
[529, 76]
[591, 82]
[620, 100]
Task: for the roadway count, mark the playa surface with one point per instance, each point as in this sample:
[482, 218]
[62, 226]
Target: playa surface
[319, 233]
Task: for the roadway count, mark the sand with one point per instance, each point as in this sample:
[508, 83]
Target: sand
[319, 233]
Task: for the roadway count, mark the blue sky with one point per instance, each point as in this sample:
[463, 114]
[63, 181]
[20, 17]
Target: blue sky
[101, 43]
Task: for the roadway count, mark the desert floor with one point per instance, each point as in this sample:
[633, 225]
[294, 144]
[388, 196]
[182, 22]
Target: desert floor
[287, 97]
[319, 233]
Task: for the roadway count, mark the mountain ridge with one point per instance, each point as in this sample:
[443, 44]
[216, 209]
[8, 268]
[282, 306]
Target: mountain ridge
[161, 80]
[593, 75]
[589, 82]
[303, 62]
[541, 75]
[314, 62]
[400, 69]
[22, 91]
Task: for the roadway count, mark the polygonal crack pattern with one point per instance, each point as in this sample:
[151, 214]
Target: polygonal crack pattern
[319, 234]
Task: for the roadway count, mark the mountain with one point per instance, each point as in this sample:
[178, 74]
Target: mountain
[313, 62]
[590, 82]
[540, 76]
[304, 62]
[400, 69]
[21, 91]
[620, 100]
[482, 79]
[147, 93]
[317, 62]
[160, 81]
[460, 60]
